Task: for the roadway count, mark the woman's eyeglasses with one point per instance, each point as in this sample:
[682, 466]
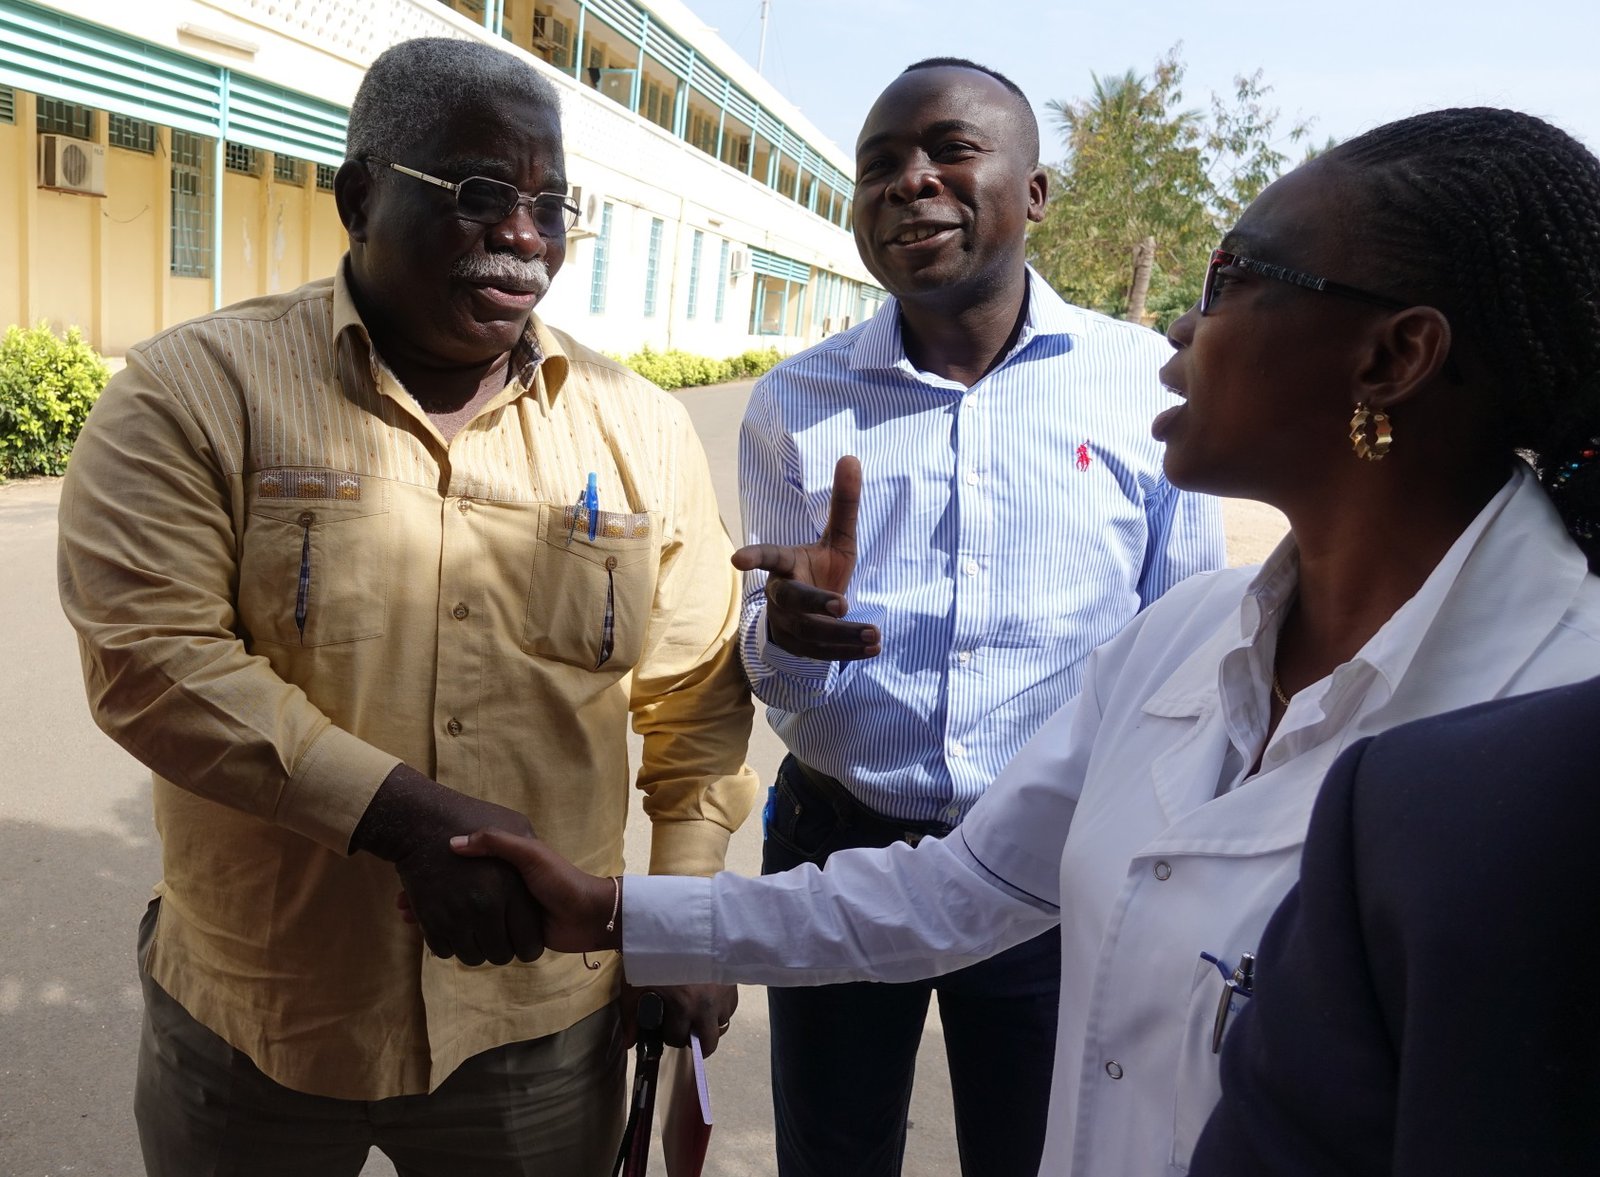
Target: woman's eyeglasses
[1221, 259]
[488, 202]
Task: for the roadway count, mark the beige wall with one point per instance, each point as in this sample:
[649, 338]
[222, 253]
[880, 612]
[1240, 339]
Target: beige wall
[103, 263]
[134, 235]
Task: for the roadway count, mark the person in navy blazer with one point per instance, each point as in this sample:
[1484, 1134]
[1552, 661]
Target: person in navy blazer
[1427, 1000]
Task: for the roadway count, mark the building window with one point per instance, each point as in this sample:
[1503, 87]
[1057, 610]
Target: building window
[552, 39]
[131, 134]
[325, 175]
[65, 118]
[722, 280]
[289, 170]
[597, 276]
[652, 267]
[694, 273]
[239, 158]
[191, 206]
[8, 106]
[695, 250]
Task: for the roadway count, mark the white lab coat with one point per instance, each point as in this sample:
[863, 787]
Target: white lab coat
[1130, 818]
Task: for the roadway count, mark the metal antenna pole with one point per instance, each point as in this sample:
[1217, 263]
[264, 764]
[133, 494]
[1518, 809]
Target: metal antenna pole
[761, 53]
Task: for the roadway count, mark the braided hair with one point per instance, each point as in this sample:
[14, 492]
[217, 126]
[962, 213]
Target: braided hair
[1493, 216]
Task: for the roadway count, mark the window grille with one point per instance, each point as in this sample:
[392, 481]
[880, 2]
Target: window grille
[65, 118]
[8, 106]
[325, 175]
[191, 206]
[131, 134]
[239, 158]
[288, 169]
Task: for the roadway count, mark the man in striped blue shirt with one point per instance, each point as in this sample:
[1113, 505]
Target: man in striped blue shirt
[1007, 515]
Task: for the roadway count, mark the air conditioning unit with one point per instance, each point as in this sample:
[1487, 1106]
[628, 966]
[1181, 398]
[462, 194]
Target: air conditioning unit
[738, 262]
[72, 165]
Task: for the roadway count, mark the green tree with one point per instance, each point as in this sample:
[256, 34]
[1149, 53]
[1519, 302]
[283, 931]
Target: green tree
[1148, 184]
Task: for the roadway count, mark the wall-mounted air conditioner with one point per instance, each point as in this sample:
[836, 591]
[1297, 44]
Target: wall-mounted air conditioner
[738, 262]
[72, 165]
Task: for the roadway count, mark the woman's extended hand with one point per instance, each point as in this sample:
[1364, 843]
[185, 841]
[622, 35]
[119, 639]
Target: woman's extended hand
[576, 906]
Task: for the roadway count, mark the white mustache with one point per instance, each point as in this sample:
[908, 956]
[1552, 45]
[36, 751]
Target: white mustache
[504, 270]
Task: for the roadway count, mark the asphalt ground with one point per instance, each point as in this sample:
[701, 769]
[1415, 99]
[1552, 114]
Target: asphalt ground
[78, 858]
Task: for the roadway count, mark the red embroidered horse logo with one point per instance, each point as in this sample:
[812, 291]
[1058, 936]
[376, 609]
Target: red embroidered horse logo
[1083, 456]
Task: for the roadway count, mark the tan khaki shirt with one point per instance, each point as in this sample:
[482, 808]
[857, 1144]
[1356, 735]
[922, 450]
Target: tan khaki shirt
[284, 582]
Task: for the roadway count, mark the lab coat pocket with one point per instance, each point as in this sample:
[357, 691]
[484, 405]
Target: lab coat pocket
[589, 599]
[1198, 1083]
[314, 557]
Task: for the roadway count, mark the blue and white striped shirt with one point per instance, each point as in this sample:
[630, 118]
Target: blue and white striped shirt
[1005, 531]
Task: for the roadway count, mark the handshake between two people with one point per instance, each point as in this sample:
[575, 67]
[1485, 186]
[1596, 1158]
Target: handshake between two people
[499, 894]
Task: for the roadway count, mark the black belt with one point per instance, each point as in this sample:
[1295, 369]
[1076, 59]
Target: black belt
[851, 810]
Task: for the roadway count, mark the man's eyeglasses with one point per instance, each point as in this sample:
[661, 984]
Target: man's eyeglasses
[488, 202]
[1221, 259]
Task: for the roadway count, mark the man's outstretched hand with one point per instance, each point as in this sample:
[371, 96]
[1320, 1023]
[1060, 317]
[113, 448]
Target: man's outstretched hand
[475, 910]
[575, 906]
[806, 585]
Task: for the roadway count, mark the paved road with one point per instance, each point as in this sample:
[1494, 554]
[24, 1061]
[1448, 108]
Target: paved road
[78, 858]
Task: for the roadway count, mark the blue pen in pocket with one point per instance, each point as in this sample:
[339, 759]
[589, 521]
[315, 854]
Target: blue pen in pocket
[588, 505]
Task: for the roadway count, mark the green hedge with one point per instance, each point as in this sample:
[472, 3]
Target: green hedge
[47, 387]
[682, 369]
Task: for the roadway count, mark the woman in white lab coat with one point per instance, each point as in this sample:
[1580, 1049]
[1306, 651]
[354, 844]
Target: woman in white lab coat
[1398, 346]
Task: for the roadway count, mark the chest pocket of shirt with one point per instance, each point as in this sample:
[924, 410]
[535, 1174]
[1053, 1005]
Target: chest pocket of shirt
[589, 600]
[314, 564]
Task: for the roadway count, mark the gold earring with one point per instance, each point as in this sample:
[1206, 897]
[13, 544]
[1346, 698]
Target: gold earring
[1382, 435]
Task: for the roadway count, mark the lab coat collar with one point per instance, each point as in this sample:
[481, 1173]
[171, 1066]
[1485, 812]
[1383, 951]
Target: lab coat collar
[1486, 608]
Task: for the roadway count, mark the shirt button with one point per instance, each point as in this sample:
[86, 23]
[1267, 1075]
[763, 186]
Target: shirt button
[464, 506]
[307, 518]
[971, 568]
[1163, 871]
[972, 478]
[454, 727]
[460, 612]
[952, 813]
[964, 657]
[957, 750]
[1114, 1069]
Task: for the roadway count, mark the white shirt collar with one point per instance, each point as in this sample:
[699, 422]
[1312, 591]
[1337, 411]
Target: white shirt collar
[879, 346]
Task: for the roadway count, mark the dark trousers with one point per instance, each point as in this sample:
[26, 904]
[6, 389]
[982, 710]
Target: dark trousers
[550, 1107]
[844, 1056]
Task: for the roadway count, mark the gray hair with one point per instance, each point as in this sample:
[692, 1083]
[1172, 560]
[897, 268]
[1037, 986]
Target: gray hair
[411, 86]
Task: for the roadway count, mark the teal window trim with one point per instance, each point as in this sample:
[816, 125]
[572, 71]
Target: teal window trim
[722, 280]
[694, 274]
[58, 56]
[652, 269]
[602, 259]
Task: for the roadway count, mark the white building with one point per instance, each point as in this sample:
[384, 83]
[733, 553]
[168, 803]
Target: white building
[188, 163]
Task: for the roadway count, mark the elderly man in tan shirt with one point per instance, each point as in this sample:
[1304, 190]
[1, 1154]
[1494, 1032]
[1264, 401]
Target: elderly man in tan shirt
[341, 582]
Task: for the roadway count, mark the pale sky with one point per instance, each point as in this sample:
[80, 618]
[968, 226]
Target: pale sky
[1346, 64]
